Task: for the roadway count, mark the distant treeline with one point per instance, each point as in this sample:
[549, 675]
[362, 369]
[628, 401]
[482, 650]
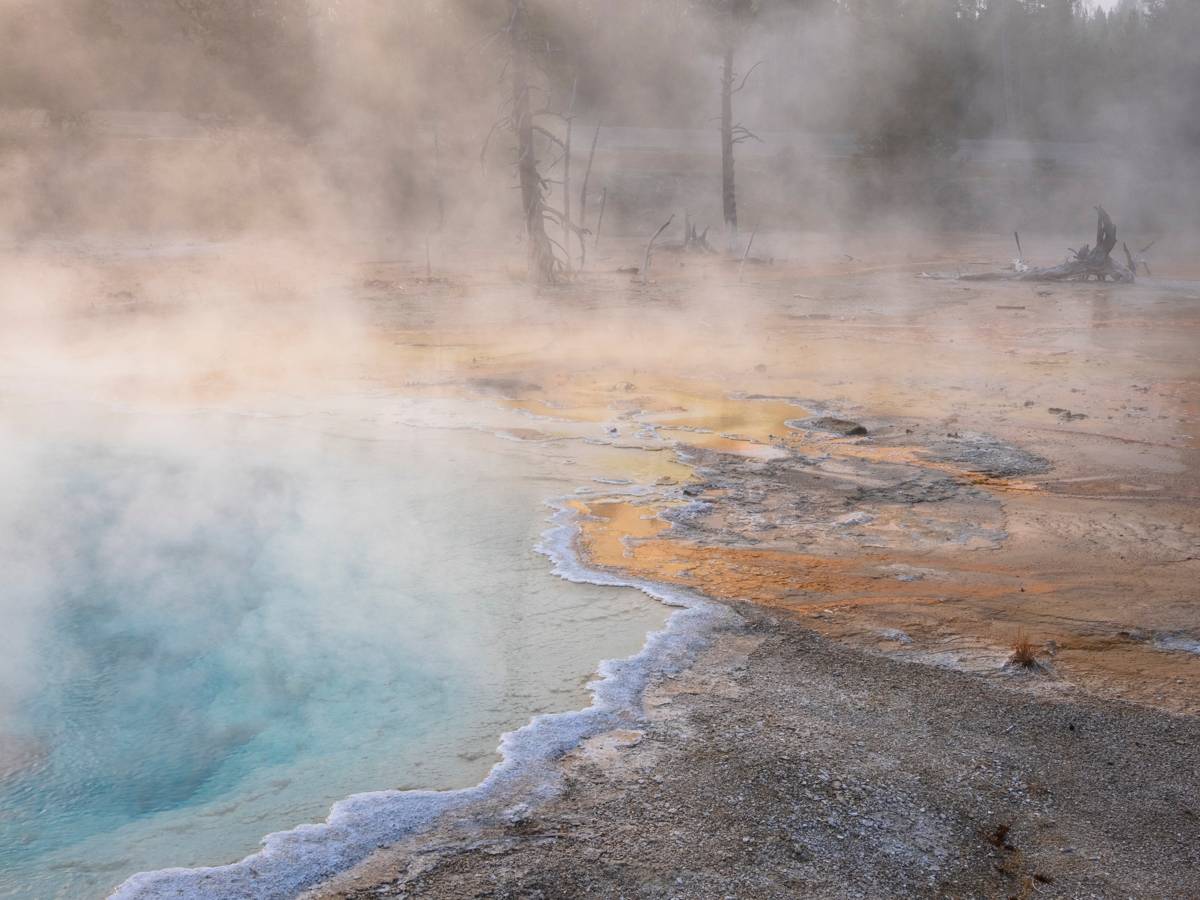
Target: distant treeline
[906, 76]
[395, 108]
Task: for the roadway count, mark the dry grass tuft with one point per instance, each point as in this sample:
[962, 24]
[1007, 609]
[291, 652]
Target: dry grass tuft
[1023, 654]
[998, 838]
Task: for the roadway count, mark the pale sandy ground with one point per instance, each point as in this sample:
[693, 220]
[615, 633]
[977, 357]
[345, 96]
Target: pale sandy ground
[901, 545]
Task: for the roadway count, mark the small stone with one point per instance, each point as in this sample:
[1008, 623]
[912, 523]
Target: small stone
[834, 425]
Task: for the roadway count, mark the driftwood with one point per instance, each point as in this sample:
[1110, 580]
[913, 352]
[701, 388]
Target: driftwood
[1084, 263]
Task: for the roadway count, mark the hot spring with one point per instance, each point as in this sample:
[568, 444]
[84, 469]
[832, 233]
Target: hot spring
[218, 624]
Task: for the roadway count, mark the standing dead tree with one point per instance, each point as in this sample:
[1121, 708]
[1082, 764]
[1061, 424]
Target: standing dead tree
[600, 219]
[728, 188]
[545, 265]
[732, 17]
[731, 135]
[1083, 264]
[567, 223]
[583, 197]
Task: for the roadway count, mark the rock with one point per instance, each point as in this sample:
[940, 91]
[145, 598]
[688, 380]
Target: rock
[854, 518]
[519, 814]
[509, 388]
[1065, 414]
[833, 425]
[986, 455]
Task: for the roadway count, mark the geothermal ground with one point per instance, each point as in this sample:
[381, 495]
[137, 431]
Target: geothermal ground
[1026, 461]
[781, 765]
[892, 480]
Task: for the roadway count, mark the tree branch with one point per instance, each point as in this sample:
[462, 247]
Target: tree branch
[746, 77]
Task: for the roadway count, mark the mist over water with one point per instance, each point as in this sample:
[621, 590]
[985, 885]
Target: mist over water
[228, 623]
[245, 574]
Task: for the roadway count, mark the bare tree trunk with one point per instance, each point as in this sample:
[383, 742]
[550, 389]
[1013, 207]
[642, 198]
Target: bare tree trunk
[567, 224]
[439, 181]
[650, 249]
[728, 190]
[600, 221]
[746, 255]
[583, 195]
[542, 263]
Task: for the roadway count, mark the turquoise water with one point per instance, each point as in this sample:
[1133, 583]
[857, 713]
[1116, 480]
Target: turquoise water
[220, 625]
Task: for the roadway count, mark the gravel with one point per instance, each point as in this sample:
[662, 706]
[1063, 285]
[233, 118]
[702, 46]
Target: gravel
[782, 765]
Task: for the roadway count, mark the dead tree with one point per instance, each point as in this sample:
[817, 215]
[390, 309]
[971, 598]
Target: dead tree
[544, 267]
[732, 134]
[734, 18]
[728, 188]
[746, 255]
[600, 219]
[568, 224]
[548, 260]
[1085, 263]
[650, 249]
[583, 196]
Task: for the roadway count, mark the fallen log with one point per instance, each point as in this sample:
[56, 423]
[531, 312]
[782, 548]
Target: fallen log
[1085, 263]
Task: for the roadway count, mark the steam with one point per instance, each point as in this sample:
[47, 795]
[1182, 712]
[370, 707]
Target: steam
[274, 146]
[361, 119]
[192, 191]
